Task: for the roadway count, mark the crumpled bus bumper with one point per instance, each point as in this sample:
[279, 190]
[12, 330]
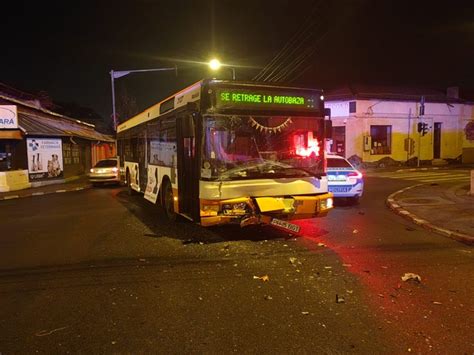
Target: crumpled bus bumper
[262, 210]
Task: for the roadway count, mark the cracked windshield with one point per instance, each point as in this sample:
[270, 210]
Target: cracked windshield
[249, 147]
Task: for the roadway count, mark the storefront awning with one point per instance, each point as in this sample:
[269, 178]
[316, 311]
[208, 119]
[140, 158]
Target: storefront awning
[33, 125]
[10, 134]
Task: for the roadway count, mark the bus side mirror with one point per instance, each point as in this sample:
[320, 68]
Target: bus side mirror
[327, 129]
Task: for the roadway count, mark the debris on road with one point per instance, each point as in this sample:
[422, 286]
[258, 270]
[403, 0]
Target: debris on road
[347, 265]
[321, 245]
[43, 333]
[355, 231]
[340, 299]
[438, 303]
[328, 267]
[305, 313]
[142, 260]
[292, 260]
[411, 276]
[263, 278]
[267, 297]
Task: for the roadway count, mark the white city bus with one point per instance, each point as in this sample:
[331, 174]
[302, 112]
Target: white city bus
[223, 152]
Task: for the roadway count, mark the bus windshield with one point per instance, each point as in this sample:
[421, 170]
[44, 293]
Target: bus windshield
[251, 147]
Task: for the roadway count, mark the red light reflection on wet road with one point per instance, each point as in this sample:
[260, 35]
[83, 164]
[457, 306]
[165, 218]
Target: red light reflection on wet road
[409, 313]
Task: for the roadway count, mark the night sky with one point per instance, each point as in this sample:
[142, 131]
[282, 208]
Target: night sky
[68, 48]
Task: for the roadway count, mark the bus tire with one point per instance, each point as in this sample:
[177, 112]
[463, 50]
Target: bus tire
[167, 201]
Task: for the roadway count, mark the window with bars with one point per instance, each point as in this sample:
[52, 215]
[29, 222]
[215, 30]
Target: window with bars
[381, 140]
[76, 154]
[67, 157]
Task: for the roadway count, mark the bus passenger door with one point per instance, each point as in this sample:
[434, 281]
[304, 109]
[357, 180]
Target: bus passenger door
[188, 178]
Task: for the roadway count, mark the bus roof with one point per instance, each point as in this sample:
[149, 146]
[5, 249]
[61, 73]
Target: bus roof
[192, 93]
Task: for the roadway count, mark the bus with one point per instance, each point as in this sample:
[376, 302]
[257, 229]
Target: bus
[223, 151]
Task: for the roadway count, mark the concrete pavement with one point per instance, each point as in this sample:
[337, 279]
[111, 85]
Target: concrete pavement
[76, 184]
[447, 209]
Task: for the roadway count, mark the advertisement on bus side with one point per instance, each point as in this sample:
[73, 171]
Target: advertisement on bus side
[152, 187]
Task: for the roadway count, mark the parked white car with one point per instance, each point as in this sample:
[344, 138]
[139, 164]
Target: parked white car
[105, 171]
[343, 179]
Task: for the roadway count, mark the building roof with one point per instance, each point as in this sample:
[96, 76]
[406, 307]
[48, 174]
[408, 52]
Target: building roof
[32, 125]
[34, 120]
[391, 93]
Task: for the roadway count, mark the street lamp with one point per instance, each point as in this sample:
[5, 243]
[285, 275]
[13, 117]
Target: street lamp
[215, 64]
[120, 73]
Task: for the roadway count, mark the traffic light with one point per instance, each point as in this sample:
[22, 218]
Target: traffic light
[424, 129]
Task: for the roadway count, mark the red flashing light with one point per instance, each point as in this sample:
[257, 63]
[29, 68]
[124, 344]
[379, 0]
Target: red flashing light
[312, 147]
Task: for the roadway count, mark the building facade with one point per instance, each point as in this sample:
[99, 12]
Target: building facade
[39, 147]
[383, 126]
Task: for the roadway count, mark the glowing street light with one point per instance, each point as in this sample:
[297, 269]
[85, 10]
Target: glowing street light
[215, 64]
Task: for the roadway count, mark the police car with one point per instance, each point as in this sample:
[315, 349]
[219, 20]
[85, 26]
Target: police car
[343, 179]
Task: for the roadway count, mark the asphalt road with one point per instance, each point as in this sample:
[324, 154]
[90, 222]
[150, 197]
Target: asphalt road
[99, 271]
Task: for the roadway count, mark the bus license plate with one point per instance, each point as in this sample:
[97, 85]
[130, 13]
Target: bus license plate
[285, 225]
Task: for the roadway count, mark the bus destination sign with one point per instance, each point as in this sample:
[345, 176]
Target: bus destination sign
[234, 98]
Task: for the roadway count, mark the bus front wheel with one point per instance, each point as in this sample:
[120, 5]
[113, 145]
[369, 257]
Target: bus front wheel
[168, 201]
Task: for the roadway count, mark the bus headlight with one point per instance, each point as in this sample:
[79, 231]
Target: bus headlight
[330, 202]
[234, 208]
[209, 210]
[327, 203]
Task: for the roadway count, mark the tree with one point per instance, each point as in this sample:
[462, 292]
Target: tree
[126, 105]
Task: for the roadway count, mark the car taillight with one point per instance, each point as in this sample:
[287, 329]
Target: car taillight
[355, 174]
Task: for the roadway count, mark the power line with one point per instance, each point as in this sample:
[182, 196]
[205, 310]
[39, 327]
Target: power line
[298, 62]
[295, 61]
[273, 64]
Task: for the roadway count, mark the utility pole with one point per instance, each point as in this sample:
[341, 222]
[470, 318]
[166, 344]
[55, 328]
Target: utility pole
[114, 74]
[420, 128]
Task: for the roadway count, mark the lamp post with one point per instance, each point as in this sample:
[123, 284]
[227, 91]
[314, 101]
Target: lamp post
[115, 74]
[215, 64]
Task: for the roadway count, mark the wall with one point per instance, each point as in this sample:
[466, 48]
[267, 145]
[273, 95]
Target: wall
[78, 161]
[103, 151]
[453, 118]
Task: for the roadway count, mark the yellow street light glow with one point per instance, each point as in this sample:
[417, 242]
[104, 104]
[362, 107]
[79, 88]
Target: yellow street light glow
[214, 64]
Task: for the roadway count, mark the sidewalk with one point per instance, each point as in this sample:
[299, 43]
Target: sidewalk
[397, 169]
[447, 210]
[74, 185]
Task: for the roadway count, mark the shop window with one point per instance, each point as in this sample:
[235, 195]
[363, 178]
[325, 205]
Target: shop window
[5, 156]
[381, 139]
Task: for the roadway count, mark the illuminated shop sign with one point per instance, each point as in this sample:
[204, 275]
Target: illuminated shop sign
[265, 99]
[8, 117]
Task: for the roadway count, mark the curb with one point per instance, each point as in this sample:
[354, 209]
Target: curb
[419, 169]
[41, 193]
[395, 207]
